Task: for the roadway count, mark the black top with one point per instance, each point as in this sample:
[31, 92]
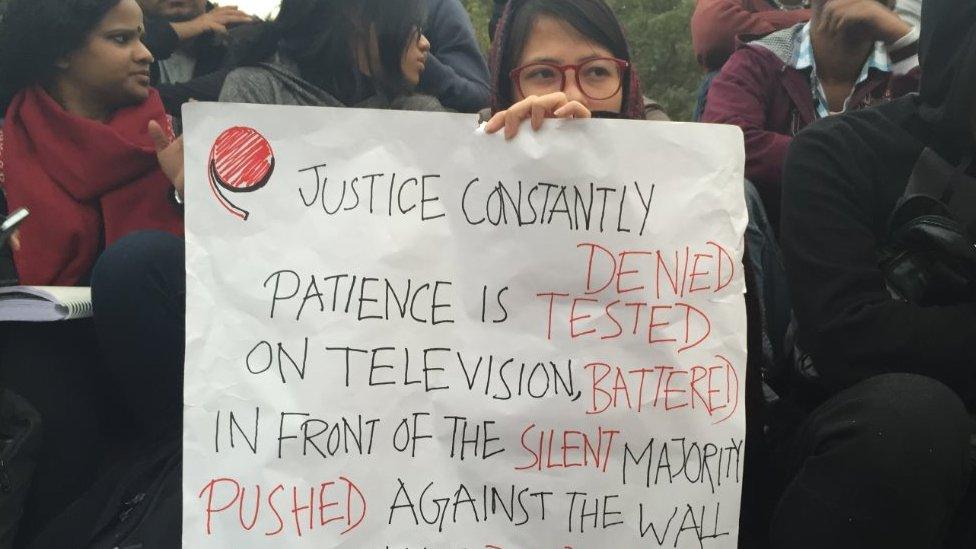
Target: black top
[214, 60]
[842, 179]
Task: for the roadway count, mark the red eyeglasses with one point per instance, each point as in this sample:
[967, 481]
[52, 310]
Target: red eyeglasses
[598, 79]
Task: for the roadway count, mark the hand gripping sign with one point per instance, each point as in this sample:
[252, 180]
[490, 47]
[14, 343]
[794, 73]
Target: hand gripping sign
[425, 336]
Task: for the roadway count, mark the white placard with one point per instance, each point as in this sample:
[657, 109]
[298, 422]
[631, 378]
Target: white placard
[425, 336]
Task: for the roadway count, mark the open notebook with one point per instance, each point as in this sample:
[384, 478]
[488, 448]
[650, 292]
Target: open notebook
[44, 303]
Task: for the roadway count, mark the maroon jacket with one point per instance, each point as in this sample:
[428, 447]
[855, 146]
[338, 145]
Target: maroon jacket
[716, 24]
[761, 93]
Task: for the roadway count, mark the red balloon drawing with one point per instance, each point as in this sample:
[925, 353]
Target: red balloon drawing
[241, 161]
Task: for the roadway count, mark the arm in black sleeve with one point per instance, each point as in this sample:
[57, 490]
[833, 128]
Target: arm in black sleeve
[836, 201]
[456, 71]
[160, 39]
[201, 88]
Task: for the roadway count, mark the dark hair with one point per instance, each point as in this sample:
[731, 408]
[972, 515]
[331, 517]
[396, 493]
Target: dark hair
[321, 36]
[591, 18]
[35, 34]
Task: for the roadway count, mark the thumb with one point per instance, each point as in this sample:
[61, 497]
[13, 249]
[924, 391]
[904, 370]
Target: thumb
[159, 137]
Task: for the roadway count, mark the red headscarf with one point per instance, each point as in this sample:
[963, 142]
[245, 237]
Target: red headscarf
[86, 183]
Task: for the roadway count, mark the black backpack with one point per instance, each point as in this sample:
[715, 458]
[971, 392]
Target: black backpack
[137, 504]
[930, 256]
[20, 440]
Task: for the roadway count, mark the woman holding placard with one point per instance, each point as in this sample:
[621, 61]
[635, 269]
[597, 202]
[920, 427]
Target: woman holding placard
[563, 59]
[569, 59]
[335, 53]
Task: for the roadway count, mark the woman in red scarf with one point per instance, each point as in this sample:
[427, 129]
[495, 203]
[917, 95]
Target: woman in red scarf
[79, 149]
[76, 146]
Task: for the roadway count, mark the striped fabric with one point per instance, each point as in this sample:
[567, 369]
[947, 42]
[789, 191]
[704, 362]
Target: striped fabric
[803, 59]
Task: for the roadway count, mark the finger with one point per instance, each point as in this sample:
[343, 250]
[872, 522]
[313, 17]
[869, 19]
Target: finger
[159, 137]
[826, 18]
[515, 118]
[516, 114]
[552, 101]
[512, 123]
[573, 109]
[538, 114]
[496, 122]
[233, 17]
[241, 18]
[841, 23]
[218, 28]
[178, 184]
[15, 241]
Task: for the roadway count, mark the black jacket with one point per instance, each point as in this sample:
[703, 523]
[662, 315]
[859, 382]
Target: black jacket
[842, 179]
[162, 41]
[214, 60]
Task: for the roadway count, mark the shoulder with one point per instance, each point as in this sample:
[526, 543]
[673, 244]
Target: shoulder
[417, 102]
[247, 84]
[436, 8]
[749, 64]
[870, 143]
[887, 126]
[445, 15]
[757, 54]
[711, 8]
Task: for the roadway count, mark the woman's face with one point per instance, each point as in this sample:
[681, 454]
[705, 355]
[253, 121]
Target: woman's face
[556, 42]
[414, 59]
[112, 66]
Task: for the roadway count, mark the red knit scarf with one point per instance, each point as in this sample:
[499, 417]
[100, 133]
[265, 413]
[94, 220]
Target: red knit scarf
[86, 183]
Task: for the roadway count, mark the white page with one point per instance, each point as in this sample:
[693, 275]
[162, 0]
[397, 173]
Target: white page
[682, 451]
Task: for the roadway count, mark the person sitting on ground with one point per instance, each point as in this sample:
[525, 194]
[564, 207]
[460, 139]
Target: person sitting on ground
[456, 72]
[852, 54]
[569, 59]
[76, 150]
[335, 53]
[716, 25]
[195, 44]
[188, 38]
[887, 461]
[562, 59]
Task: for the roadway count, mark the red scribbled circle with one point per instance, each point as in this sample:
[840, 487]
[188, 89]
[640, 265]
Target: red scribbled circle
[241, 160]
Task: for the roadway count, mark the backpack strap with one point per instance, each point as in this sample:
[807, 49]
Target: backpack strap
[936, 187]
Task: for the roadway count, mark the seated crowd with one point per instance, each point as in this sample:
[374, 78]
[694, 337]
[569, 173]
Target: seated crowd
[842, 103]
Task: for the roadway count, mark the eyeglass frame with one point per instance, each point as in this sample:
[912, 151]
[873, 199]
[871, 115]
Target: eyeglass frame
[623, 65]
